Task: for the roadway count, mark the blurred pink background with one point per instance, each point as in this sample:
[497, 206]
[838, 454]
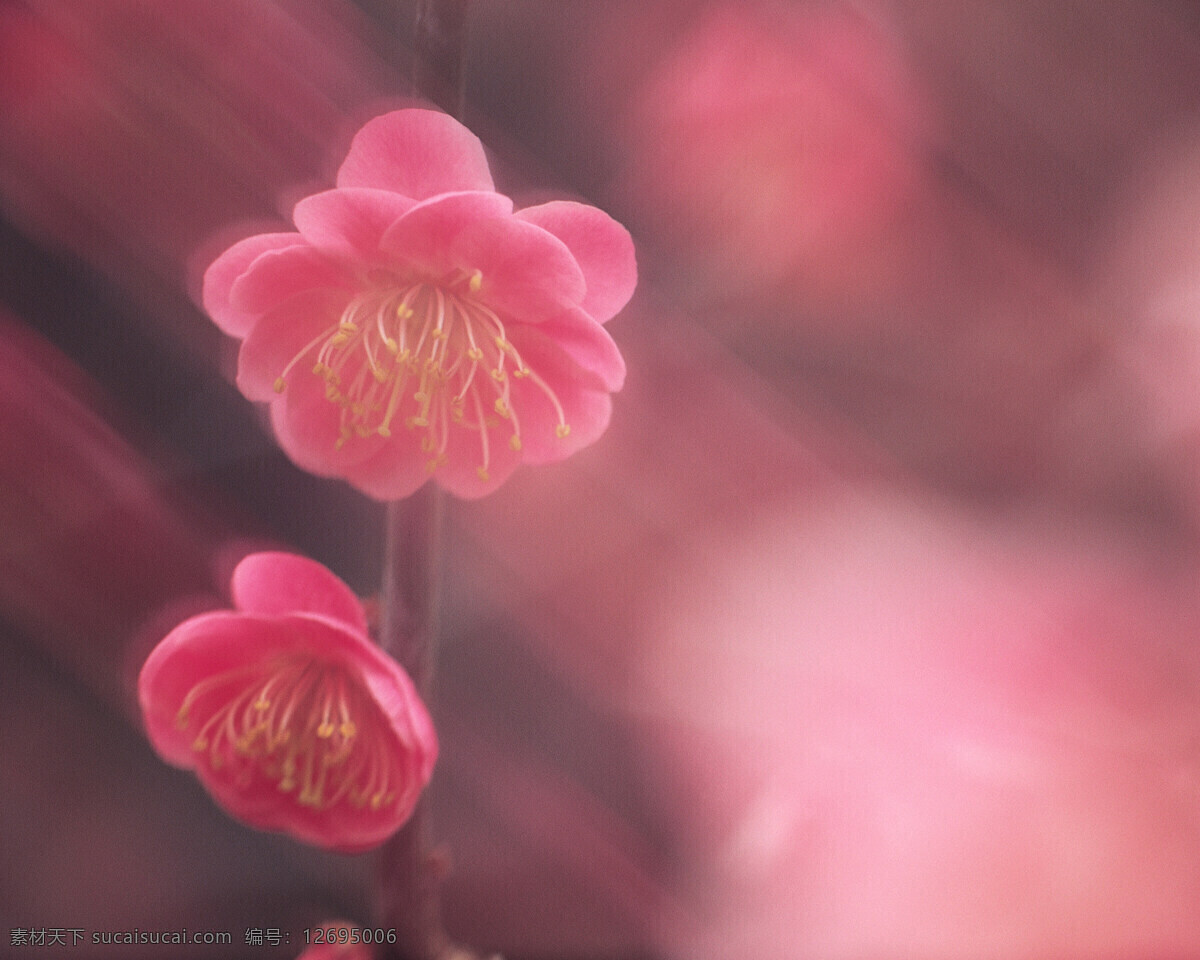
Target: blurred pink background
[869, 630]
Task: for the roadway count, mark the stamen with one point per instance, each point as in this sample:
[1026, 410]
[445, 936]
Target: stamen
[296, 723]
[422, 347]
[483, 439]
[304, 351]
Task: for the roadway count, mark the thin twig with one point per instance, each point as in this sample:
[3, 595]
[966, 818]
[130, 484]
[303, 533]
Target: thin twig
[409, 876]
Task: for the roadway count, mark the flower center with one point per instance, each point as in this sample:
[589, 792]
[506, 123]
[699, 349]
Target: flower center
[304, 725]
[428, 356]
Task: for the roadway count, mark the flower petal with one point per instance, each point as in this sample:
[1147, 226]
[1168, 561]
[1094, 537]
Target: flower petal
[349, 223]
[281, 336]
[227, 268]
[397, 470]
[308, 427]
[424, 236]
[418, 153]
[200, 646]
[600, 245]
[586, 342]
[278, 274]
[464, 457]
[586, 407]
[276, 584]
[528, 274]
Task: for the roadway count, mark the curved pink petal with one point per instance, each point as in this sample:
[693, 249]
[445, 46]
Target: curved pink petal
[173, 666]
[223, 272]
[587, 408]
[308, 426]
[526, 273]
[397, 470]
[600, 245]
[348, 223]
[418, 153]
[424, 236]
[279, 274]
[464, 457]
[275, 584]
[587, 343]
[284, 337]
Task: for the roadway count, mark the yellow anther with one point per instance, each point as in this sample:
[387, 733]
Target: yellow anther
[438, 334]
[427, 443]
[562, 430]
[420, 396]
[325, 730]
[431, 465]
[475, 354]
[380, 375]
[476, 281]
[339, 443]
[514, 442]
[286, 785]
[318, 368]
[200, 743]
[404, 311]
[499, 376]
[280, 383]
[521, 373]
[391, 346]
[482, 474]
[383, 430]
[502, 408]
[348, 326]
[339, 339]
[347, 729]
[503, 344]
[261, 704]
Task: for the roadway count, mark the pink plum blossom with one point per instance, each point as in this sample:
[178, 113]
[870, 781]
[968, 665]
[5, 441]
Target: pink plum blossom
[292, 719]
[771, 145]
[415, 325]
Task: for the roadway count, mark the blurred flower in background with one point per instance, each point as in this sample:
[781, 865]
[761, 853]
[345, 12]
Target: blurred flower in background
[775, 144]
[868, 628]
